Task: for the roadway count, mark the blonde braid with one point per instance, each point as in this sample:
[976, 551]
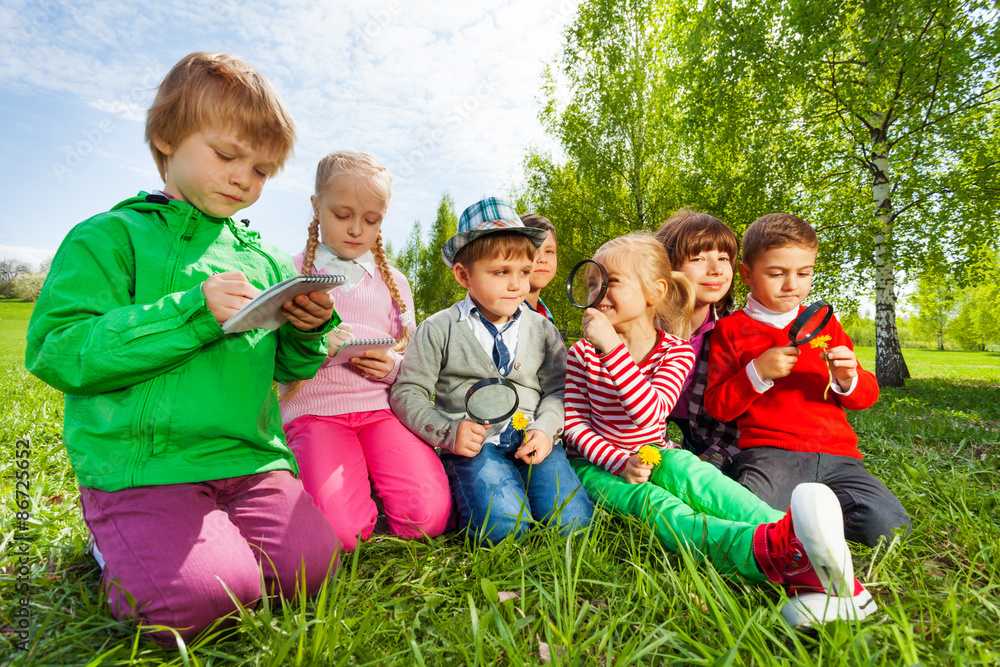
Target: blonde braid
[403, 339]
[311, 245]
[294, 386]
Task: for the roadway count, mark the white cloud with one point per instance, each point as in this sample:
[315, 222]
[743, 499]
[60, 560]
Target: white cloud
[443, 92]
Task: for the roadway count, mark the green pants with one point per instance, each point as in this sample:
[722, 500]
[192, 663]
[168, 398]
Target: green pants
[688, 502]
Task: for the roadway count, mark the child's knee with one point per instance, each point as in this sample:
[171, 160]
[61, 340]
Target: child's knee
[881, 523]
[310, 560]
[573, 513]
[188, 605]
[427, 517]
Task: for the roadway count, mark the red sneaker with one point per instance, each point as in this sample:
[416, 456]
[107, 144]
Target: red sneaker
[806, 549]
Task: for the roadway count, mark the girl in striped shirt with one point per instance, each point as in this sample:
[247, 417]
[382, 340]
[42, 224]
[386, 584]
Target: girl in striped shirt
[345, 438]
[622, 380]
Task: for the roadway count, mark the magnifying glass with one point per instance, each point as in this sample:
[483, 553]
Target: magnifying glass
[587, 284]
[809, 323]
[491, 401]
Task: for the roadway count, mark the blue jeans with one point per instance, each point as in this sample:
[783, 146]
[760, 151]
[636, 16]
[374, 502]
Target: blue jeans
[498, 495]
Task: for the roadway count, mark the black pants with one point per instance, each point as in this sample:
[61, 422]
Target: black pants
[870, 510]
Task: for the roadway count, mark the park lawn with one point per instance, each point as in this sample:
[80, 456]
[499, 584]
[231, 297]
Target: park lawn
[14, 316]
[613, 597]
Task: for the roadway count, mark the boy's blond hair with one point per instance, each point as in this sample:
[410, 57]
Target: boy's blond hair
[642, 257]
[777, 230]
[206, 89]
[497, 245]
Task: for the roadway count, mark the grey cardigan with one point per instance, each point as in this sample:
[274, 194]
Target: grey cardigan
[444, 359]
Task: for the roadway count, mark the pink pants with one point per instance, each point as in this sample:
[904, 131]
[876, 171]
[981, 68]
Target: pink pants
[172, 547]
[337, 456]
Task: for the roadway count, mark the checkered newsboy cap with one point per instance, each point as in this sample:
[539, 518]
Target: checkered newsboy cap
[485, 216]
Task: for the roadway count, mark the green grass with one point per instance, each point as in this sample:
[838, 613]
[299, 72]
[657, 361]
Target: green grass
[613, 597]
[14, 316]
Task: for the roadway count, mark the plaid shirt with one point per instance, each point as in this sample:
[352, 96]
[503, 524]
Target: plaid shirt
[714, 441]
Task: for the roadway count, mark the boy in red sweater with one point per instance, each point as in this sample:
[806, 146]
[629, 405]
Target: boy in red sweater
[792, 430]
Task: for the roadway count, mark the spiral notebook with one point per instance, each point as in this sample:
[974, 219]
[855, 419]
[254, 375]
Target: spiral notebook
[357, 348]
[262, 311]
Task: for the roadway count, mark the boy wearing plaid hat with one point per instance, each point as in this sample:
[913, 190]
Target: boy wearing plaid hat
[505, 475]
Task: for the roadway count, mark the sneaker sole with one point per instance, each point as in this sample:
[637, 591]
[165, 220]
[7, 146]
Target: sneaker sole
[808, 609]
[819, 526]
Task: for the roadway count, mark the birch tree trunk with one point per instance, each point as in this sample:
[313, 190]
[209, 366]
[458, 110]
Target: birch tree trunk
[890, 368]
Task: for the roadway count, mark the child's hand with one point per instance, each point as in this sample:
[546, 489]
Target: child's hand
[635, 471]
[843, 364]
[306, 312]
[225, 293]
[598, 331]
[776, 362]
[336, 338]
[469, 438]
[536, 447]
[376, 364]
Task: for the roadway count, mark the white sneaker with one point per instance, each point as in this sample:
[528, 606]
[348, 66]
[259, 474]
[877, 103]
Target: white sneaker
[811, 608]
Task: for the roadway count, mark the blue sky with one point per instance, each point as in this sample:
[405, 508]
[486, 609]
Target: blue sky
[444, 93]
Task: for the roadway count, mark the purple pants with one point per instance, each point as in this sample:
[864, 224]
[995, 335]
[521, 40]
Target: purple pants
[337, 457]
[172, 547]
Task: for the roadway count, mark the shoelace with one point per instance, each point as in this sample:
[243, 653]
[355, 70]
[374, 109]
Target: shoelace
[783, 551]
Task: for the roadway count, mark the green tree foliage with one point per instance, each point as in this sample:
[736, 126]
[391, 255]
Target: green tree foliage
[26, 287]
[434, 287]
[876, 121]
[935, 306]
[615, 125]
[977, 325]
[894, 100]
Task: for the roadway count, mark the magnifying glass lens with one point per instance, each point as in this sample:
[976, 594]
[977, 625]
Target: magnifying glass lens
[588, 283]
[491, 401]
[810, 322]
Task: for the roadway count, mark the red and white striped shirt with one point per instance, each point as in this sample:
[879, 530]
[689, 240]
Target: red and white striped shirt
[614, 405]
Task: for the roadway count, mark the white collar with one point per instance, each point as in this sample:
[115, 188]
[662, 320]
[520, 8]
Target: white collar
[353, 269]
[465, 307]
[757, 311]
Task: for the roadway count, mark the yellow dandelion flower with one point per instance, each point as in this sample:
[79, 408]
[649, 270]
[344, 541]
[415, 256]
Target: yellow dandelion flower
[520, 421]
[650, 455]
[822, 342]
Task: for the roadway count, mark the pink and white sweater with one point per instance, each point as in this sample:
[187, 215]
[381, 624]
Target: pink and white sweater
[341, 389]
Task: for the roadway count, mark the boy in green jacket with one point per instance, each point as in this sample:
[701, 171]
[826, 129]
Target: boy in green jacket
[171, 425]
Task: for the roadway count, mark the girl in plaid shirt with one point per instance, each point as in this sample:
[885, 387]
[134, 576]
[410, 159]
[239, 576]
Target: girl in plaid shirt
[704, 250]
[623, 379]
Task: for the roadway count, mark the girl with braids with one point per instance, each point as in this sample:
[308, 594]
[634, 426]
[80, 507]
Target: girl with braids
[339, 425]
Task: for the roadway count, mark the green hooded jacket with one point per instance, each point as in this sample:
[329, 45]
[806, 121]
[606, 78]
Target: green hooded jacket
[155, 392]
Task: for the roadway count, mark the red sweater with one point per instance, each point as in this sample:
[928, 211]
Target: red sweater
[614, 405]
[792, 414]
